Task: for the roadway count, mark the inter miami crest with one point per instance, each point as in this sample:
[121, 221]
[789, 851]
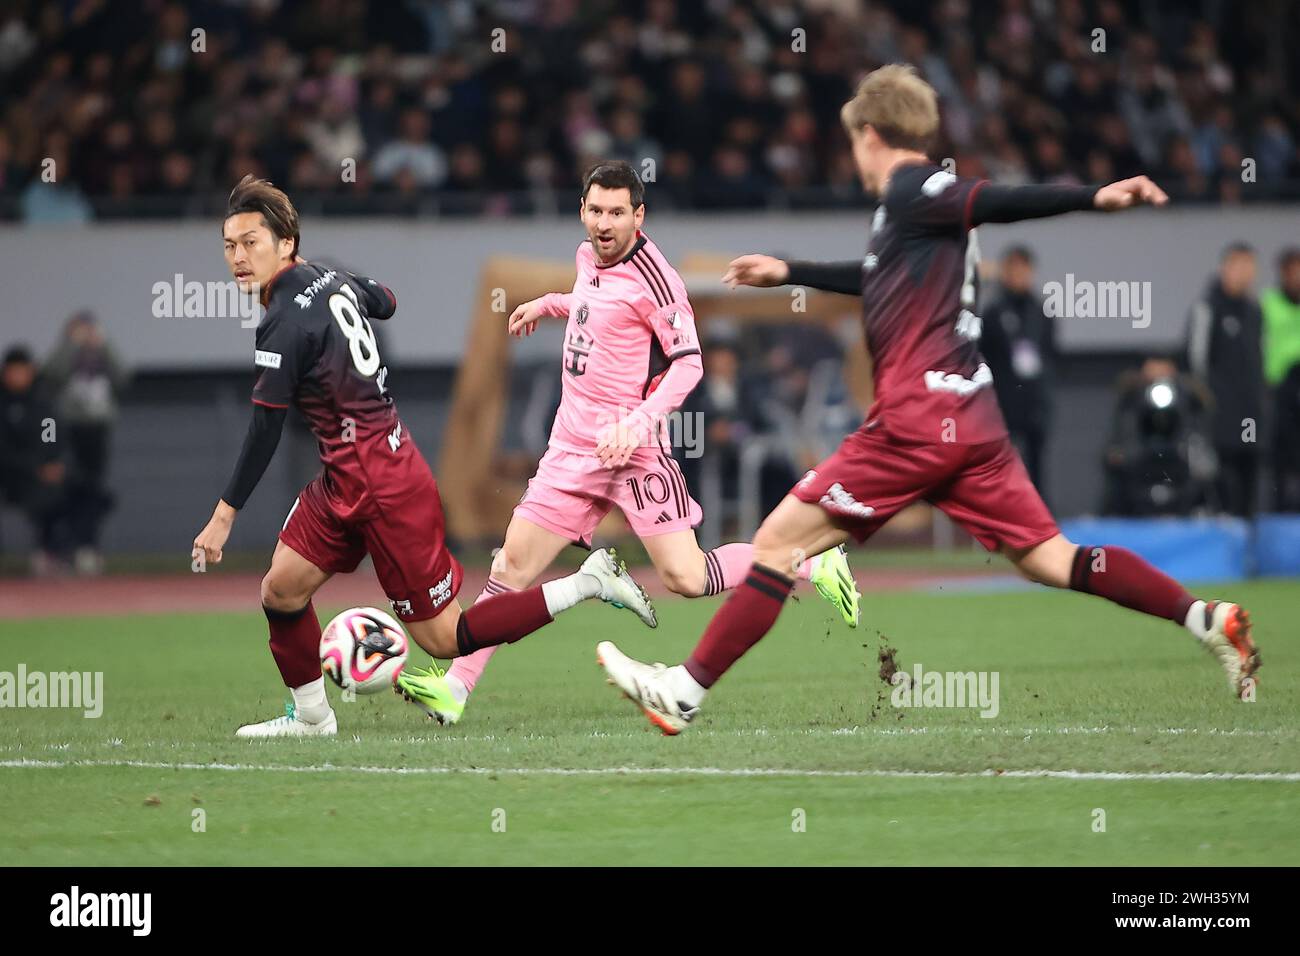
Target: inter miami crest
[581, 315]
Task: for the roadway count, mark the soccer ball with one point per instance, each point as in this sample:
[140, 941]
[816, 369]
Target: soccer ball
[362, 650]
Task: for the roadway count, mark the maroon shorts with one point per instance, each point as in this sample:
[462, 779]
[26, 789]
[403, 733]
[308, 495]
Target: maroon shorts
[405, 540]
[982, 487]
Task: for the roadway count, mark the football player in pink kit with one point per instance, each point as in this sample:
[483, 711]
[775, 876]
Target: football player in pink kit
[631, 356]
[934, 432]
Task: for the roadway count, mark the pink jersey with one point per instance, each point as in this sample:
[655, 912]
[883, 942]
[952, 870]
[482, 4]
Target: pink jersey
[628, 322]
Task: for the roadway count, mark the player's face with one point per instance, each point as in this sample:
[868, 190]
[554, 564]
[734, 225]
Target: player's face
[611, 221]
[1291, 279]
[253, 254]
[1238, 273]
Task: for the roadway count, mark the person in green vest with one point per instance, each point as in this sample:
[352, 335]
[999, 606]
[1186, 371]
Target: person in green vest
[1281, 308]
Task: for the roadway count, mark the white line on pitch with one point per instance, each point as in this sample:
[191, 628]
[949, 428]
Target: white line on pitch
[1120, 775]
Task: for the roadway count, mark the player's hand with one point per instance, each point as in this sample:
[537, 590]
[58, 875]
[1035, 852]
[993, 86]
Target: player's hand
[212, 539]
[523, 320]
[1137, 191]
[617, 443]
[761, 271]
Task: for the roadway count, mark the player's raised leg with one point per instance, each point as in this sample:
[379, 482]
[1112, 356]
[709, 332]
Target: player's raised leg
[686, 569]
[1119, 575]
[992, 497]
[287, 590]
[671, 696]
[506, 618]
[651, 492]
[528, 551]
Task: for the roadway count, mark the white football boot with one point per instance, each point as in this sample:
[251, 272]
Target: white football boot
[289, 725]
[1228, 638]
[617, 587]
[646, 685]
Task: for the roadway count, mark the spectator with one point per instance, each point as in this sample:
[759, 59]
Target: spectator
[1019, 343]
[1281, 308]
[116, 92]
[413, 158]
[85, 377]
[1223, 350]
[31, 474]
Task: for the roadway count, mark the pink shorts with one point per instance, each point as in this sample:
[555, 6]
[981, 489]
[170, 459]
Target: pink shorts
[572, 492]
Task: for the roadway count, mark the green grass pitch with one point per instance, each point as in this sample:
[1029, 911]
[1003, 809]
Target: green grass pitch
[799, 757]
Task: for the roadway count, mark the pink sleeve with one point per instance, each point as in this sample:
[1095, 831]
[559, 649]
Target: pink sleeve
[678, 382]
[555, 305]
[674, 326]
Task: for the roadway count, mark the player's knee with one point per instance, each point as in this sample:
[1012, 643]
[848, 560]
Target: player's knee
[1048, 563]
[279, 596]
[688, 582]
[509, 571]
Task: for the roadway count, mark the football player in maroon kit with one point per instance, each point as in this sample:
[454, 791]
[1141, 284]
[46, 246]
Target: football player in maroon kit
[375, 494]
[934, 432]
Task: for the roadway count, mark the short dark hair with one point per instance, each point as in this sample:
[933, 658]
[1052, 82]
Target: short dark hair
[1022, 253]
[260, 196]
[17, 355]
[1235, 248]
[1286, 257]
[615, 174]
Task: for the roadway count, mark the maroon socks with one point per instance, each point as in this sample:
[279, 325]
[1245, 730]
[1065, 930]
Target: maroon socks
[1119, 575]
[295, 644]
[739, 624]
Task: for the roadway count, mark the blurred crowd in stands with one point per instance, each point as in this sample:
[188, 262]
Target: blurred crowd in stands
[156, 107]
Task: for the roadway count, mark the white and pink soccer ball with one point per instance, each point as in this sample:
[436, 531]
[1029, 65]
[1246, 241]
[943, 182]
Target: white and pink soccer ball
[362, 650]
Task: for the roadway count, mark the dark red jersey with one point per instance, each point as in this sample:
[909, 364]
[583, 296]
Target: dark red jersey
[316, 350]
[919, 289]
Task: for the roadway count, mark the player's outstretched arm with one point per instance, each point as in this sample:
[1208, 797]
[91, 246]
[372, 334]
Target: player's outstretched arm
[523, 320]
[1138, 191]
[767, 271]
[259, 447]
[995, 203]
